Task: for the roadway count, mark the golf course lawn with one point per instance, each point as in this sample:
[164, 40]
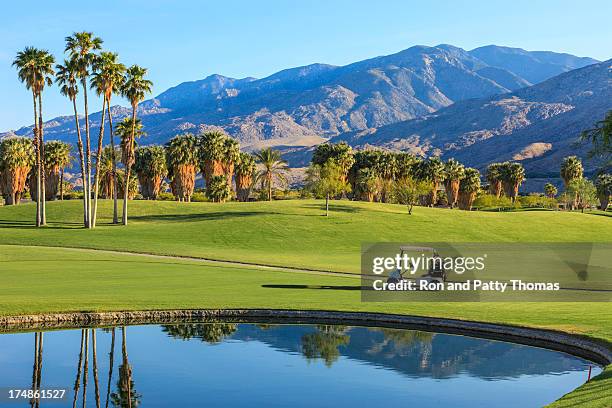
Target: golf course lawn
[288, 233]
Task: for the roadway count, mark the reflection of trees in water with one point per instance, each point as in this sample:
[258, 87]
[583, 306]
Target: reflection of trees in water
[37, 367]
[209, 332]
[126, 395]
[324, 343]
[401, 343]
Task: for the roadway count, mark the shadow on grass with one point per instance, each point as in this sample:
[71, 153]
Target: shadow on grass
[333, 207]
[315, 287]
[217, 215]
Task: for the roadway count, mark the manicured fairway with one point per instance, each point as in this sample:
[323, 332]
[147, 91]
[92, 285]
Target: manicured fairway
[289, 233]
[292, 233]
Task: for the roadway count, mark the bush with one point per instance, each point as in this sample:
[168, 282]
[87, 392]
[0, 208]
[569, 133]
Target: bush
[165, 196]
[73, 195]
[199, 197]
[490, 202]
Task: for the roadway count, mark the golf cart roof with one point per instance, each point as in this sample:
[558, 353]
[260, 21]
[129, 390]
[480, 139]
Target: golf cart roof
[416, 248]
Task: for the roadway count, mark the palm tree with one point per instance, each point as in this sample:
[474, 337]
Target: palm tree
[273, 167]
[603, 184]
[57, 157]
[134, 89]
[211, 154]
[150, 166]
[386, 168]
[245, 171]
[16, 160]
[111, 358]
[182, 162]
[132, 185]
[571, 169]
[433, 170]
[107, 80]
[494, 178]
[124, 131]
[600, 137]
[34, 69]
[550, 190]
[108, 176]
[231, 154]
[367, 183]
[77, 381]
[66, 78]
[513, 175]
[218, 190]
[81, 47]
[126, 396]
[453, 173]
[468, 188]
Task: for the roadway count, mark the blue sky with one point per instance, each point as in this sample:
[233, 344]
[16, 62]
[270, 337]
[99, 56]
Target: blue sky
[187, 40]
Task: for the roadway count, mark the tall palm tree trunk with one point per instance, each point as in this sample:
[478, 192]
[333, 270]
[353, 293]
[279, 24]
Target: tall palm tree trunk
[35, 367]
[114, 160]
[88, 155]
[38, 170]
[41, 191]
[128, 169]
[110, 367]
[85, 368]
[269, 181]
[97, 174]
[40, 361]
[61, 186]
[82, 158]
[95, 362]
[78, 376]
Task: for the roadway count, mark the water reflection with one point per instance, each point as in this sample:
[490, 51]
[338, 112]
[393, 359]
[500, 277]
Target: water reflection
[231, 350]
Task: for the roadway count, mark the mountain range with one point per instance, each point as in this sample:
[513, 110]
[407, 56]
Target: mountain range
[490, 103]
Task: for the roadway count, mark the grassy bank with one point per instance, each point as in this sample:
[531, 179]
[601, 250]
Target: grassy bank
[289, 233]
[293, 233]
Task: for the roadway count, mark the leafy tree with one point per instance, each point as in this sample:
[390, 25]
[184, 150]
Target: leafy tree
[600, 137]
[209, 332]
[408, 190]
[584, 192]
[550, 190]
[245, 173]
[218, 190]
[324, 343]
[341, 153]
[134, 88]
[272, 168]
[150, 166]
[16, 160]
[453, 173]
[513, 175]
[468, 188]
[603, 184]
[182, 162]
[494, 178]
[327, 180]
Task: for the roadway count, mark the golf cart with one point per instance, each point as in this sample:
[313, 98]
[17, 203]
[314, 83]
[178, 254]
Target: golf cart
[435, 273]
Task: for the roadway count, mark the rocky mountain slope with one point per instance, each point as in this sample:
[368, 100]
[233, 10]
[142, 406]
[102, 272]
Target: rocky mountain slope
[306, 105]
[537, 125]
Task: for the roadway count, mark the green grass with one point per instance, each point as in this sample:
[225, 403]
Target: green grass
[289, 233]
[292, 233]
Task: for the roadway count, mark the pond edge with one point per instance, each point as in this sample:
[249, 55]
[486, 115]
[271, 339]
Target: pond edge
[576, 345]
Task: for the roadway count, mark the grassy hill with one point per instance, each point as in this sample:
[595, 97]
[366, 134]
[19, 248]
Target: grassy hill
[289, 233]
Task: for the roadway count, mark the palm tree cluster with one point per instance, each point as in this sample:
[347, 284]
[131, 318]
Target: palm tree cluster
[245, 172]
[85, 67]
[16, 160]
[505, 177]
[182, 163]
[150, 166]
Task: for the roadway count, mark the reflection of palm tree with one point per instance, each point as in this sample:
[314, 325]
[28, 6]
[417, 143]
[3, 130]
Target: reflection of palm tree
[85, 367]
[37, 368]
[110, 366]
[324, 343]
[95, 366]
[125, 396]
[209, 332]
[78, 376]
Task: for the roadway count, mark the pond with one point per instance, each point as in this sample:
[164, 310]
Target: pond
[227, 364]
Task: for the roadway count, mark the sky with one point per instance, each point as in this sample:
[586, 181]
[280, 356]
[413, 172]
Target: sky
[184, 40]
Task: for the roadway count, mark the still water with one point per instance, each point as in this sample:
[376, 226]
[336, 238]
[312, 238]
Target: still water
[257, 365]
